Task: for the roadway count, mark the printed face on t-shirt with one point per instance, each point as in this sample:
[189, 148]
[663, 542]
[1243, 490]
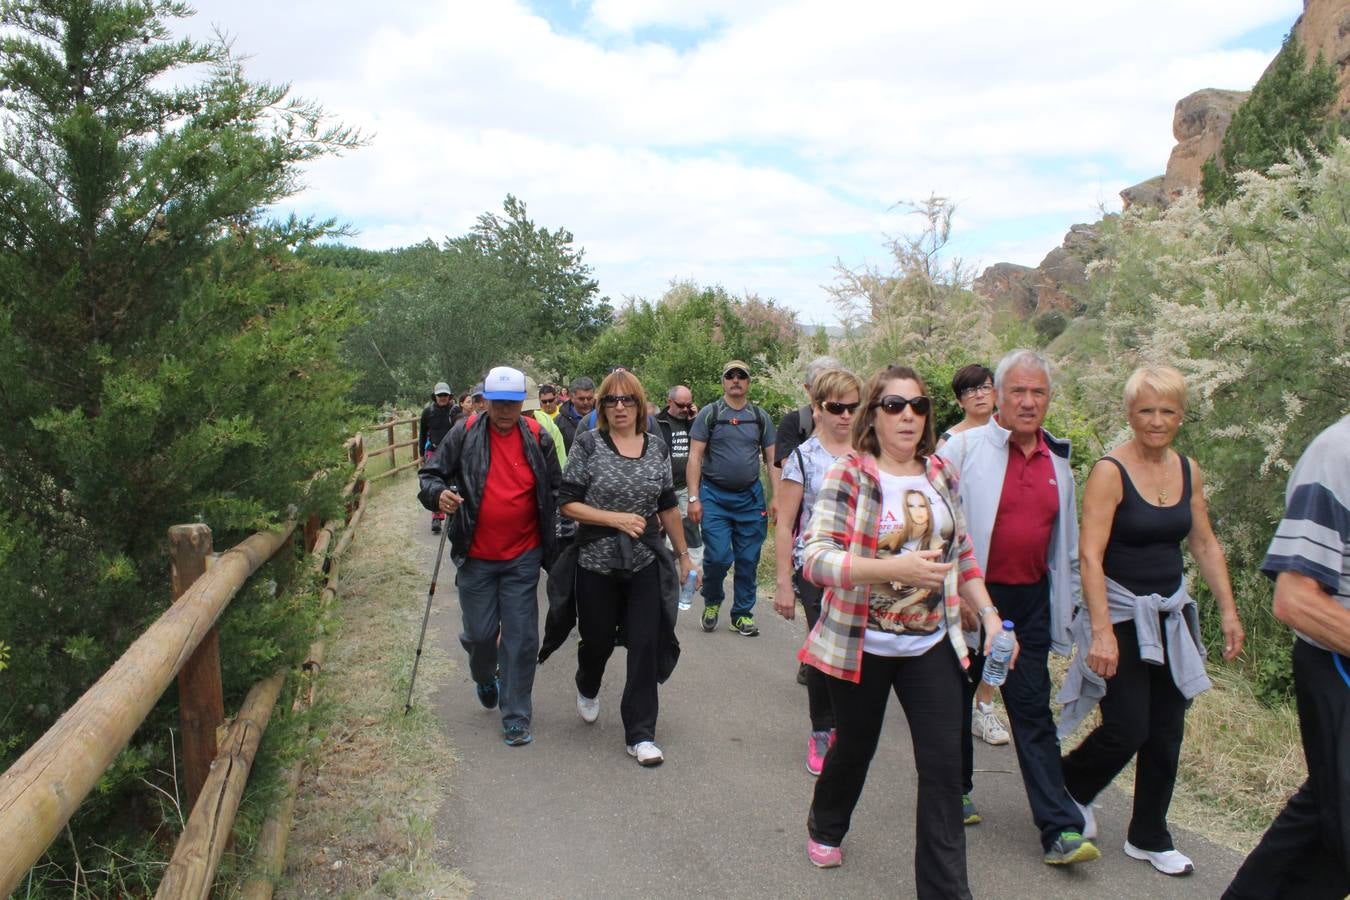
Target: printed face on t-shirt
[907, 525]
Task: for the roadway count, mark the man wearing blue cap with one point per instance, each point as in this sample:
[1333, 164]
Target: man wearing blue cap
[496, 476]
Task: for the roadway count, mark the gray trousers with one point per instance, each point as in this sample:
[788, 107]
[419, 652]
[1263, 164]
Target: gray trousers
[499, 598]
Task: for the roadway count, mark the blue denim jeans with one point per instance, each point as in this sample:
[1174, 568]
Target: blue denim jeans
[734, 526]
[500, 597]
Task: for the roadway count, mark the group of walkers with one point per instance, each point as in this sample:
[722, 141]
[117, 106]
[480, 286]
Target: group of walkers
[907, 552]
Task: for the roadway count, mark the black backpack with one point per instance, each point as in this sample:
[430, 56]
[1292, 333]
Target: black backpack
[762, 418]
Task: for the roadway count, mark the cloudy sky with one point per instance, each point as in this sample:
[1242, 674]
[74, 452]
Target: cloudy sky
[748, 143]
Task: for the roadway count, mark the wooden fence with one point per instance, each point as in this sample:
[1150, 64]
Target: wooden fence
[45, 786]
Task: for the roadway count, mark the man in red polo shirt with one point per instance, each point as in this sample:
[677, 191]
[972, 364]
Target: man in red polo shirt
[1018, 494]
[497, 479]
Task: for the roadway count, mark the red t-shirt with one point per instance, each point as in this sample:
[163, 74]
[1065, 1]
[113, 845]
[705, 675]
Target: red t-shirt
[1027, 509]
[508, 521]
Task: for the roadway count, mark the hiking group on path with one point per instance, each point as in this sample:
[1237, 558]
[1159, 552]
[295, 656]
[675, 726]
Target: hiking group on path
[909, 552]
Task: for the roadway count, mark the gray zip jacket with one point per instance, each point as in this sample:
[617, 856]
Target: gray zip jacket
[981, 459]
[1083, 688]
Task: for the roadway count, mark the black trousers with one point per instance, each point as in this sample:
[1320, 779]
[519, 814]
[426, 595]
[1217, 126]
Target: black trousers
[1143, 713]
[603, 602]
[817, 690]
[929, 689]
[1305, 853]
[968, 686]
[1026, 695]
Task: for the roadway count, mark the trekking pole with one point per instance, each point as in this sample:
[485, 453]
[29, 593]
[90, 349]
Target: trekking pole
[435, 573]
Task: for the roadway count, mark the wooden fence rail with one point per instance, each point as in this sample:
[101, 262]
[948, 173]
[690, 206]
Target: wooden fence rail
[45, 786]
[42, 790]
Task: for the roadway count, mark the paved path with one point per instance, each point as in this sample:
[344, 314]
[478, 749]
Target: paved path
[572, 815]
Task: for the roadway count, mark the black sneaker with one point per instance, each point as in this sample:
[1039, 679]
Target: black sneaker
[435, 526]
[1069, 848]
[744, 625]
[487, 694]
[517, 735]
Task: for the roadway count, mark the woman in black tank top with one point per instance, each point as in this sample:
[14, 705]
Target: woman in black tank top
[1140, 502]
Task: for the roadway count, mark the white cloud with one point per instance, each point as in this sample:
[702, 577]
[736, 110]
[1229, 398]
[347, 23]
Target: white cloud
[769, 142]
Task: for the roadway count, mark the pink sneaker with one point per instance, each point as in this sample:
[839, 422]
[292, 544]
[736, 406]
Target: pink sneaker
[823, 856]
[817, 745]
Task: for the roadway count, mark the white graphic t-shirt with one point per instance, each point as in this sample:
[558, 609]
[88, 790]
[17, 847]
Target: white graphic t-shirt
[904, 620]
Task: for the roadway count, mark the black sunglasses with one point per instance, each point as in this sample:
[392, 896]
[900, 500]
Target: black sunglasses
[894, 404]
[736, 374]
[689, 405]
[834, 407]
[611, 400]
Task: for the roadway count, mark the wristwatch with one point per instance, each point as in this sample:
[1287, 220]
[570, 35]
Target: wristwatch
[694, 499]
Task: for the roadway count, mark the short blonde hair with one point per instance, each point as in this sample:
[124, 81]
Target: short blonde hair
[1164, 381]
[834, 383]
[621, 381]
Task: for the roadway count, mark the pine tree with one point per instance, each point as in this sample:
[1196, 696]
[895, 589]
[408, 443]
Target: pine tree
[164, 355]
[1289, 110]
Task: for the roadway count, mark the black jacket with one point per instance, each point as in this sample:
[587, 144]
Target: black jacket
[568, 420]
[461, 461]
[436, 424]
[562, 601]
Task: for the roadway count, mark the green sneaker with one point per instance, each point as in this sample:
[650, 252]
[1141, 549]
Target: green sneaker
[1069, 848]
[744, 625]
[969, 815]
[710, 612]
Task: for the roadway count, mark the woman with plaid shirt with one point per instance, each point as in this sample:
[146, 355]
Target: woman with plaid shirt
[891, 619]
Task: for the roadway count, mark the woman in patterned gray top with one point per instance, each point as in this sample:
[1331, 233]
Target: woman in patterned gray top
[616, 485]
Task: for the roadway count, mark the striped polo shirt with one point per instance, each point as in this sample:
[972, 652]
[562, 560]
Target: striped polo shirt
[1313, 538]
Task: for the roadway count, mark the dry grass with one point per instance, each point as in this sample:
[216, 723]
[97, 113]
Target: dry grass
[364, 820]
[1240, 761]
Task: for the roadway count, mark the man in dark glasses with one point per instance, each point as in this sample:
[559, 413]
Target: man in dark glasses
[674, 421]
[1017, 491]
[727, 441]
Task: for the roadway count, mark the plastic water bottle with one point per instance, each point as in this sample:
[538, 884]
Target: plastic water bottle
[996, 666]
[687, 592]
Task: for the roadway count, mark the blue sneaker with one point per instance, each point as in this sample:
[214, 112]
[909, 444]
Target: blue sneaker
[517, 735]
[487, 694]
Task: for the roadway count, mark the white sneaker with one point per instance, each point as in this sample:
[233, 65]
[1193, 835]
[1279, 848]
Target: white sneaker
[647, 753]
[986, 726]
[1089, 820]
[588, 707]
[1169, 862]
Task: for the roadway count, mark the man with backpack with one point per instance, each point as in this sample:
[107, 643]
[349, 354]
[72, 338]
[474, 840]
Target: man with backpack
[726, 500]
[438, 417]
[496, 475]
[674, 422]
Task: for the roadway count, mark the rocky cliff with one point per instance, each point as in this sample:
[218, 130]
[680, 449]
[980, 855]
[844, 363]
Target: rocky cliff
[1053, 286]
[1202, 118]
[1198, 124]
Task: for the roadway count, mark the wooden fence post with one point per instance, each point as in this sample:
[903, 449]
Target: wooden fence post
[201, 701]
[393, 454]
[312, 526]
[358, 455]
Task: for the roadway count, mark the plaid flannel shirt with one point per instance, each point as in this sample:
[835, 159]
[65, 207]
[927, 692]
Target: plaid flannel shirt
[844, 524]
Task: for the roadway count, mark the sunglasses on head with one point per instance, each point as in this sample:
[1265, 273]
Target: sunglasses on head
[834, 407]
[894, 404]
[609, 401]
[736, 374]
